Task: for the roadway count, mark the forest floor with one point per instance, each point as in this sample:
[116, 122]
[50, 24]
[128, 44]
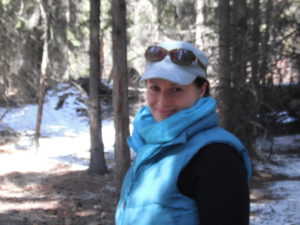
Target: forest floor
[39, 191]
[36, 190]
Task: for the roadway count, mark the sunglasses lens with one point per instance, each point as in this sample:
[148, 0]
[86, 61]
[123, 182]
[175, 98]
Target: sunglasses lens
[182, 56]
[178, 56]
[155, 53]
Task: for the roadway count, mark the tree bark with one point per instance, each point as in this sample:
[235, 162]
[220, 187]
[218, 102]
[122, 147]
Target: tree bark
[239, 43]
[265, 43]
[240, 51]
[201, 29]
[58, 45]
[32, 39]
[256, 39]
[43, 75]
[97, 159]
[120, 90]
[224, 72]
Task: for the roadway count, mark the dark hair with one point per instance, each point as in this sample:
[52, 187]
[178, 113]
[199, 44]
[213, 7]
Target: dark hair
[199, 82]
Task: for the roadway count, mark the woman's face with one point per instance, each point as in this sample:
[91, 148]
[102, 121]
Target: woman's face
[166, 98]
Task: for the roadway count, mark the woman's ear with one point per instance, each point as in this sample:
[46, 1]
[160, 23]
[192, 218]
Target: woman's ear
[203, 89]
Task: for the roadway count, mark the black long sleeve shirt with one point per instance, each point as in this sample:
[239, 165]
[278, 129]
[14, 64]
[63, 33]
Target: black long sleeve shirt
[216, 179]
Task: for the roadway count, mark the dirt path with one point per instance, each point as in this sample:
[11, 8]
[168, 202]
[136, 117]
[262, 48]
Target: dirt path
[38, 191]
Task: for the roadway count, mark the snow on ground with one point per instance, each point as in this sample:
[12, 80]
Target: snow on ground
[64, 134]
[284, 207]
[65, 137]
[284, 210]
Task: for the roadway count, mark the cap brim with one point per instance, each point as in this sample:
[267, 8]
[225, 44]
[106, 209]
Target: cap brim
[172, 72]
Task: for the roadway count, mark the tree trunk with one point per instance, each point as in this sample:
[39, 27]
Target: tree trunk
[201, 29]
[239, 94]
[120, 90]
[239, 43]
[265, 42]
[255, 43]
[97, 159]
[43, 71]
[159, 15]
[58, 45]
[31, 51]
[224, 72]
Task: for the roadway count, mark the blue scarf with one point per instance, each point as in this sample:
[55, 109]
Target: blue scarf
[147, 131]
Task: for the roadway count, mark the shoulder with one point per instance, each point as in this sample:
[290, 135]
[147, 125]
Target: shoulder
[216, 164]
[216, 179]
[217, 152]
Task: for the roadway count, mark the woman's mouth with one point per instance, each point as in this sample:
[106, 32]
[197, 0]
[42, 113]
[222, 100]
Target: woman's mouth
[165, 113]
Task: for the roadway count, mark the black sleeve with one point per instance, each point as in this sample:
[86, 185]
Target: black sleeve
[216, 179]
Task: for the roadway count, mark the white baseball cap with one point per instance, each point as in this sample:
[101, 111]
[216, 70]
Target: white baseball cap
[179, 74]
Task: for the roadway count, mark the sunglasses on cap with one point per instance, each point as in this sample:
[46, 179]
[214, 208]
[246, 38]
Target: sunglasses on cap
[178, 56]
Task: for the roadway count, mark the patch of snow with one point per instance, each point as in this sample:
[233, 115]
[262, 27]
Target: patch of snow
[284, 117]
[288, 166]
[64, 134]
[283, 211]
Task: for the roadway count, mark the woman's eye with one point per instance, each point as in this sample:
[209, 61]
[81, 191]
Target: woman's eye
[154, 88]
[176, 89]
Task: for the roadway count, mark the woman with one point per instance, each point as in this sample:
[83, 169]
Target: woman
[187, 170]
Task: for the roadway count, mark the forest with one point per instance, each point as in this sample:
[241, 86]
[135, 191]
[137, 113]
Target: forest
[97, 48]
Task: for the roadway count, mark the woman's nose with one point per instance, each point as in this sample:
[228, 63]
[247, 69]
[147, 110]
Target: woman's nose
[164, 99]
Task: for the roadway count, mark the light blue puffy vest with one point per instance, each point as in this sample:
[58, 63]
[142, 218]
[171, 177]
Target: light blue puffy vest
[150, 195]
